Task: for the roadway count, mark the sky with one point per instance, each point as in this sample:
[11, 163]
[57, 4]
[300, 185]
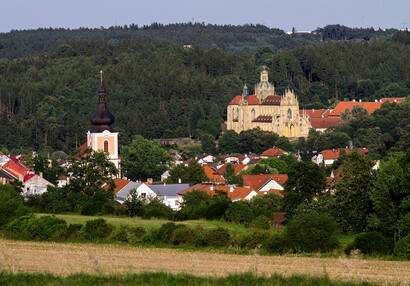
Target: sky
[304, 15]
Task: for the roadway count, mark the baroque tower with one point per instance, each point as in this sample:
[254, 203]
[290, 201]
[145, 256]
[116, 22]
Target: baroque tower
[102, 137]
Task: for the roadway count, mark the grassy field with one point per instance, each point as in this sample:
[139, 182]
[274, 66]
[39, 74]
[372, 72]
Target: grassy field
[162, 278]
[66, 259]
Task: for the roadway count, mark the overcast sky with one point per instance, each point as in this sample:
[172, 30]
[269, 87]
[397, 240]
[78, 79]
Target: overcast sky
[284, 14]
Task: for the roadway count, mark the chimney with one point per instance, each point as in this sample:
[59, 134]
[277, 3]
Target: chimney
[375, 100]
[41, 174]
[150, 180]
[165, 184]
[21, 178]
[313, 110]
[231, 189]
[395, 100]
[360, 100]
[354, 100]
[179, 181]
[212, 188]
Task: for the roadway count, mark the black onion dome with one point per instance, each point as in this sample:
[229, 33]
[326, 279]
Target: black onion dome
[102, 118]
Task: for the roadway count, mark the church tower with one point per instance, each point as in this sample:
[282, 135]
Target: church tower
[102, 137]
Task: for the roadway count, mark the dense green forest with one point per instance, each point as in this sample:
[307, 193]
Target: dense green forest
[158, 86]
[240, 39]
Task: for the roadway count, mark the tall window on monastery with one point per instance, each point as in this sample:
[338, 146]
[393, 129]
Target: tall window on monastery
[105, 146]
[301, 127]
[233, 114]
[292, 130]
[237, 113]
[253, 114]
[278, 128]
[289, 113]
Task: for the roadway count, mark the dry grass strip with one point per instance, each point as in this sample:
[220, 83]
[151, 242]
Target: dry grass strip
[64, 259]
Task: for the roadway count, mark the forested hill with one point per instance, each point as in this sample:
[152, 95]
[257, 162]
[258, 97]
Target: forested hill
[246, 38]
[156, 87]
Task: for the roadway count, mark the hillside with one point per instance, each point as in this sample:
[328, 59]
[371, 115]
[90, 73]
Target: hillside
[152, 86]
[239, 39]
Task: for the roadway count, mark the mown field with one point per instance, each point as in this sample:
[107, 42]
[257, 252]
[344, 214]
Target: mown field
[64, 260]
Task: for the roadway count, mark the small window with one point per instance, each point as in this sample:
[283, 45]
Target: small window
[278, 128]
[106, 146]
[253, 114]
[301, 127]
[143, 195]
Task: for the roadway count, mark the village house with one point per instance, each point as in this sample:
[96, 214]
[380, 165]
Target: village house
[327, 157]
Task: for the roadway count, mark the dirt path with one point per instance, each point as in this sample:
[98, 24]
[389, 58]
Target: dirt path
[64, 259]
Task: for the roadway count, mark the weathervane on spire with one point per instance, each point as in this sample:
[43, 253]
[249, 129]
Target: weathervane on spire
[101, 72]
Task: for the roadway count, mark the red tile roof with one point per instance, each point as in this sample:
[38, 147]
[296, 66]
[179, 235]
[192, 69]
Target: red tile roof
[342, 106]
[212, 175]
[28, 177]
[258, 181]
[263, 118]
[320, 123]
[335, 153]
[238, 168]
[315, 113]
[121, 183]
[197, 187]
[1, 153]
[16, 168]
[393, 99]
[274, 152]
[252, 100]
[232, 192]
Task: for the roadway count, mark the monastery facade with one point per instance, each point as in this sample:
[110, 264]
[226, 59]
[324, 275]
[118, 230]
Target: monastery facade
[269, 112]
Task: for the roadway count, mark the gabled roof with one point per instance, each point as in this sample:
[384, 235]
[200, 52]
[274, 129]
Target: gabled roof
[197, 187]
[273, 152]
[320, 123]
[28, 177]
[251, 99]
[238, 167]
[168, 189]
[272, 100]
[335, 153]
[16, 168]
[121, 183]
[1, 154]
[212, 175]
[258, 181]
[315, 113]
[7, 175]
[263, 118]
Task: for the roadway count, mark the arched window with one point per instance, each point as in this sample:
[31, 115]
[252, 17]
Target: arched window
[287, 130]
[237, 113]
[301, 127]
[233, 114]
[253, 114]
[289, 113]
[106, 146]
[278, 128]
[292, 130]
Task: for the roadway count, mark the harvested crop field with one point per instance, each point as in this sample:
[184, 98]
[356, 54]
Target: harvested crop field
[64, 259]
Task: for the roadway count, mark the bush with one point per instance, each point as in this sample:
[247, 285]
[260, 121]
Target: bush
[182, 235]
[157, 211]
[165, 231]
[73, 231]
[91, 208]
[402, 248]
[261, 222]
[252, 240]
[108, 209]
[97, 229]
[239, 212]
[28, 227]
[11, 205]
[275, 243]
[136, 233]
[312, 232]
[120, 234]
[120, 210]
[371, 243]
[217, 237]
[217, 209]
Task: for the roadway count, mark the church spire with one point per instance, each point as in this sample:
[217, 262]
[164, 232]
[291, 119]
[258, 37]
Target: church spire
[102, 118]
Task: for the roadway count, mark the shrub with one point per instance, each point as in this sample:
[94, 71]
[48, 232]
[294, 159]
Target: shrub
[28, 227]
[371, 243]
[120, 234]
[151, 237]
[275, 243]
[402, 248]
[182, 235]
[261, 222]
[311, 232]
[90, 208]
[217, 209]
[136, 233]
[120, 210]
[165, 231]
[239, 212]
[11, 205]
[73, 231]
[108, 209]
[157, 211]
[97, 229]
[217, 237]
[252, 240]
